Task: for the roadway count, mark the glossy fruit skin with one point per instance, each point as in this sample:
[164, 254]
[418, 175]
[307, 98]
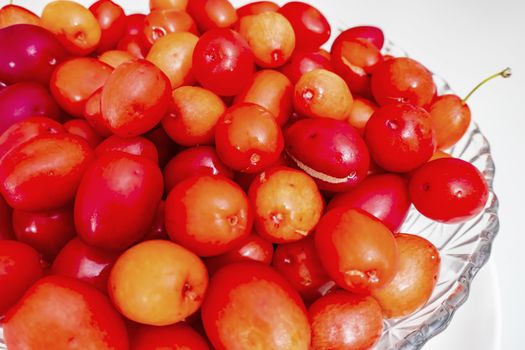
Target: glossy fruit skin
[158, 283]
[112, 21]
[115, 58]
[84, 262]
[199, 160]
[257, 7]
[372, 34]
[13, 14]
[137, 145]
[168, 4]
[82, 128]
[357, 250]
[210, 14]
[299, 264]
[402, 79]
[33, 54]
[310, 26]
[362, 110]
[135, 97]
[177, 336]
[192, 116]
[158, 229]
[271, 90]
[248, 138]
[173, 54]
[46, 231]
[25, 130]
[450, 118]
[223, 62]
[354, 59]
[79, 31]
[330, 151]
[75, 80]
[160, 23]
[20, 267]
[136, 45]
[93, 114]
[250, 303]
[385, 196]
[303, 62]
[95, 323]
[117, 200]
[166, 148]
[6, 227]
[359, 316]
[400, 137]
[270, 36]
[322, 94]
[253, 247]
[448, 190]
[287, 204]
[44, 173]
[208, 214]
[414, 282]
[22, 100]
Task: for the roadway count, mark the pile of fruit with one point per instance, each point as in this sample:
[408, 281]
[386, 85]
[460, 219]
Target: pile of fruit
[210, 177]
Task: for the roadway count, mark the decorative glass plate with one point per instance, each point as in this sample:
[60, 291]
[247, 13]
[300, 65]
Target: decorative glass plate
[464, 247]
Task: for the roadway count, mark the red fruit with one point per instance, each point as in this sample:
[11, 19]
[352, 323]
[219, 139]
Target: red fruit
[20, 267]
[341, 320]
[93, 324]
[135, 98]
[22, 100]
[250, 303]
[112, 21]
[211, 14]
[362, 110]
[370, 33]
[166, 148]
[414, 282]
[257, 7]
[385, 196]
[137, 145]
[117, 200]
[159, 23]
[84, 262]
[46, 231]
[6, 227]
[30, 53]
[44, 173]
[93, 114]
[450, 117]
[223, 62]
[310, 26]
[403, 79]
[25, 130]
[330, 151]
[299, 264]
[177, 336]
[248, 138]
[303, 62]
[400, 137]
[208, 214]
[82, 128]
[253, 247]
[448, 190]
[356, 249]
[199, 160]
[13, 14]
[158, 228]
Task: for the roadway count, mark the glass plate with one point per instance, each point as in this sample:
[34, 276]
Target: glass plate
[464, 247]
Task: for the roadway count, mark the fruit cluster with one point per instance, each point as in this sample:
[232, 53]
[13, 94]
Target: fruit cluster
[204, 176]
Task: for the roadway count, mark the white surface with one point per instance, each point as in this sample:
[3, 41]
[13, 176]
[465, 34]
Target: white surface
[465, 41]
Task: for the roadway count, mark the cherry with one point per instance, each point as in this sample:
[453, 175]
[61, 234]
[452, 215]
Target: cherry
[137, 145]
[159, 23]
[400, 137]
[450, 115]
[12, 14]
[448, 190]
[370, 33]
[210, 14]
[303, 62]
[112, 21]
[256, 7]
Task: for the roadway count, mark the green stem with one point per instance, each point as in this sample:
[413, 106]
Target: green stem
[504, 74]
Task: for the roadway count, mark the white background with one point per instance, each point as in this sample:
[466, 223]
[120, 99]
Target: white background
[465, 41]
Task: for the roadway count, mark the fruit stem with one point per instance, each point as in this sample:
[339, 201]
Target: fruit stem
[504, 74]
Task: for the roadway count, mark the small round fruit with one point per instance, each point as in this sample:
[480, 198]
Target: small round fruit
[370, 33]
[210, 14]
[341, 320]
[81, 128]
[208, 214]
[450, 117]
[115, 58]
[248, 138]
[92, 323]
[287, 204]
[448, 190]
[138, 145]
[414, 282]
[159, 23]
[250, 303]
[20, 267]
[112, 21]
[158, 283]
[322, 94]
[179, 336]
[13, 14]
[356, 249]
